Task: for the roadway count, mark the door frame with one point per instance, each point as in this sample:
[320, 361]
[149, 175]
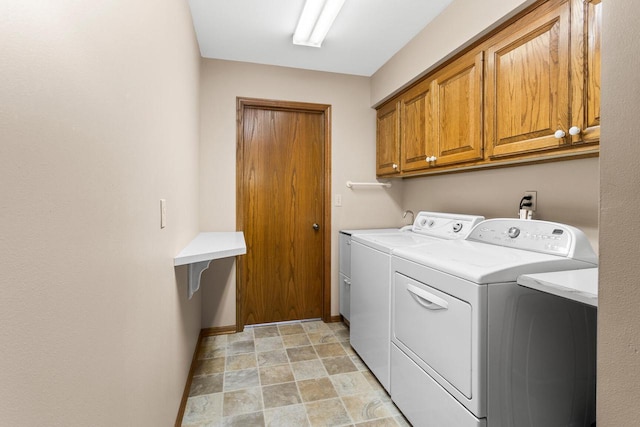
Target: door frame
[325, 109]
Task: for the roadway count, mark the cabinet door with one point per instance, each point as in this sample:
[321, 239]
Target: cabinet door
[527, 95]
[416, 139]
[388, 140]
[586, 17]
[458, 111]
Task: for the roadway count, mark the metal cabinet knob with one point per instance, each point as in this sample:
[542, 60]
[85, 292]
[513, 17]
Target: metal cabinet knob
[316, 226]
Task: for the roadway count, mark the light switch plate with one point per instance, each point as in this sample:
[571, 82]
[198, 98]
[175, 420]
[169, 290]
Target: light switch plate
[163, 213]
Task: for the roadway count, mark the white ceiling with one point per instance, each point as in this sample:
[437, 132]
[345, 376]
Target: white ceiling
[365, 35]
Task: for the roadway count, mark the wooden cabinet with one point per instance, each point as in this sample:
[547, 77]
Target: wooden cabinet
[529, 92]
[586, 18]
[543, 85]
[458, 111]
[441, 118]
[417, 138]
[388, 140]
[528, 84]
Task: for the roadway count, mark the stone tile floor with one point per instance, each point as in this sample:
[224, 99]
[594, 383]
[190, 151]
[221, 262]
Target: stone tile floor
[290, 374]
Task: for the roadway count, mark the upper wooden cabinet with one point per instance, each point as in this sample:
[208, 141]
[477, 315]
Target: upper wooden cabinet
[458, 111]
[388, 140]
[527, 97]
[528, 92]
[543, 84]
[441, 118]
[417, 126]
[586, 18]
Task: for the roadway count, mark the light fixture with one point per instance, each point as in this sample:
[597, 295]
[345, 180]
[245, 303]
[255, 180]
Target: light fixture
[315, 21]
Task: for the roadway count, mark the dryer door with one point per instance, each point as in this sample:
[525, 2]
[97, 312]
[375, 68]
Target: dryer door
[436, 328]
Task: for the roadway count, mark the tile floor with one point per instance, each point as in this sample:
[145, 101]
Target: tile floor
[290, 374]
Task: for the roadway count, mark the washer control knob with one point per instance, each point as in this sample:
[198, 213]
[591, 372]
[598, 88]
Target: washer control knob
[513, 232]
[457, 227]
[423, 222]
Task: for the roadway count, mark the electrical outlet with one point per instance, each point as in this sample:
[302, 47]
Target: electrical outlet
[533, 201]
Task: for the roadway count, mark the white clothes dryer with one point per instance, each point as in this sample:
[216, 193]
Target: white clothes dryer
[472, 348]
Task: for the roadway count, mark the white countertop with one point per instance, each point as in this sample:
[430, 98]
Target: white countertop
[212, 245]
[576, 285]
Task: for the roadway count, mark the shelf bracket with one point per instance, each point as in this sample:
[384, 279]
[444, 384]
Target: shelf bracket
[195, 273]
[205, 248]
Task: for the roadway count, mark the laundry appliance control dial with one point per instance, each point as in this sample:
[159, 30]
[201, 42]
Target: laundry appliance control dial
[513, 232]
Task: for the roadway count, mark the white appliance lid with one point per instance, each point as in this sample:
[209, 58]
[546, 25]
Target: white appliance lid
[427, 226]
[390, 241]
[484, 263]
[351, 232]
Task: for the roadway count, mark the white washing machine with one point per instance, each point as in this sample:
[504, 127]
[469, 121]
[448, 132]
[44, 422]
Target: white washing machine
[472, 348]
[370, 296]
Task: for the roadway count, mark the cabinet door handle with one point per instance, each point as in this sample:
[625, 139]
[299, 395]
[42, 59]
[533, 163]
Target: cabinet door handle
[559, 134]
[316, 226]
[426, 299]
[574, 130]
[395, 166]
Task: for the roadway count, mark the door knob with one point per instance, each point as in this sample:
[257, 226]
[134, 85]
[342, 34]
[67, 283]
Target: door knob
[316, 227]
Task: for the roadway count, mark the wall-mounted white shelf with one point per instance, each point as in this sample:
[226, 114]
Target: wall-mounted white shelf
[205, 248]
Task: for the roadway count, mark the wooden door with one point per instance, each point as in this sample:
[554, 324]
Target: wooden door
[283, 165]
[527, 97]
[458, 111]
[586, 18]
[388, 140]
[416, 124]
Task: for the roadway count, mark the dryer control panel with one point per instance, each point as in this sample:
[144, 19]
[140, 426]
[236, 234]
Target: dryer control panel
[537, 236]
[444, 225]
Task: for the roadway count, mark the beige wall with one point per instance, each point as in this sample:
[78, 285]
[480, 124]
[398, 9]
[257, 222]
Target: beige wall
[353, 158]
[98, 121]
[462, 22]
[619, 293]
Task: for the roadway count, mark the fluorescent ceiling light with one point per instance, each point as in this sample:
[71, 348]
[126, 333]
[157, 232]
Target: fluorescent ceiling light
[315, 21]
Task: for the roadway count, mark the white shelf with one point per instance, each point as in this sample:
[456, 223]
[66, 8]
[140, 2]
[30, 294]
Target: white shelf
[205, 248]
[576, 285]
